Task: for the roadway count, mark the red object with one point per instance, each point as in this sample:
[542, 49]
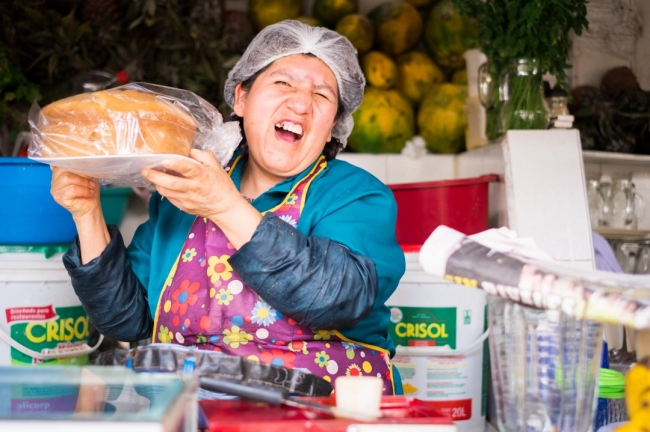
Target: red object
[422, 207]
[458, 410]
[243, 415]
[122, 77]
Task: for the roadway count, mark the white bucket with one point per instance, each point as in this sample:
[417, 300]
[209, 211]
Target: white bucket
[440, 330]
[41, 317]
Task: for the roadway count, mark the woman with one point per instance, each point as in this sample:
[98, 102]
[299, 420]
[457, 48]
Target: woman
[287, 256]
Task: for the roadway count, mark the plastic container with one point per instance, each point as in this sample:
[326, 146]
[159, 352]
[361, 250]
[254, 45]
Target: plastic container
[114, 203]
[459, 204]
[545, 367]
[29, 213]
[398, 414]
[43, 321]
[102, 399]
[439, 330]
[611, 398]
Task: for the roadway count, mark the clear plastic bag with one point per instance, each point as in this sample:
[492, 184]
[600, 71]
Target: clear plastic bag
[112, 134]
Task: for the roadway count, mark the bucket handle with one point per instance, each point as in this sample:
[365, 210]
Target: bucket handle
[49, 354]
[445, 351]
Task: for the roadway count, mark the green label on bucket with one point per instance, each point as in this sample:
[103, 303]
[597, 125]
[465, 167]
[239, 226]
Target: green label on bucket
[414, 326]
[46, 327]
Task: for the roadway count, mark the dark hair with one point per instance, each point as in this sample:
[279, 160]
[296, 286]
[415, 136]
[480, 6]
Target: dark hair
[332, 147]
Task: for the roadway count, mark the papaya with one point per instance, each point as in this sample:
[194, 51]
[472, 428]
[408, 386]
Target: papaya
[441, 118]
[416, 73]
[383, 123]
[448, 34]
[266, 12]
[331, 11]
[398, 27]
[358, 29]
[379, 69]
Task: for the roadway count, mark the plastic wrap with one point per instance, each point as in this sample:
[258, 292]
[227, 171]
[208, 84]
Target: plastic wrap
[113, 134]
[505, 269]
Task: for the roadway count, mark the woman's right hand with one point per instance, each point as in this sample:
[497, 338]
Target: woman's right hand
[77, 194]
[80, 196]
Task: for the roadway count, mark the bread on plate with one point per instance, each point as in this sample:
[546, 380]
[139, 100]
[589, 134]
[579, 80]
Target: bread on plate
[115, 122]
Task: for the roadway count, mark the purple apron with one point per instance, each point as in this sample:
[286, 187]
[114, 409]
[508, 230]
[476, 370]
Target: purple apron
[205, 303]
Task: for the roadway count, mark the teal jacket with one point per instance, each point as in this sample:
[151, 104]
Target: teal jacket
[345, 265]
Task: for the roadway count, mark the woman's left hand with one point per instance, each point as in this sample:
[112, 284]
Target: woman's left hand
[206, 190]
[202, 189]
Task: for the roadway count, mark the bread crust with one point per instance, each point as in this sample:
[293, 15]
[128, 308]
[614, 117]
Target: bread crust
[115, 122]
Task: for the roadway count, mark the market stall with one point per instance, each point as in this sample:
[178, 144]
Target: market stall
[467, 117]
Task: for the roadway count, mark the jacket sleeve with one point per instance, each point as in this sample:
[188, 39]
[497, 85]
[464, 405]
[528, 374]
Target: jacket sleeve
[110, 292]
[316, 281]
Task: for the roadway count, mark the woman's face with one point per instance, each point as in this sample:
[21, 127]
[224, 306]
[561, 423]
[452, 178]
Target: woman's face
[288, 114]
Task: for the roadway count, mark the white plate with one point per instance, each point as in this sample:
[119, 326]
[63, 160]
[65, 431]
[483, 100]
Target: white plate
[117, 168]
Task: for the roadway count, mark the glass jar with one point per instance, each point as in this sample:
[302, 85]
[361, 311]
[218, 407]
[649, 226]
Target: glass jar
[524, 106]
[491, 97]
[558, 102]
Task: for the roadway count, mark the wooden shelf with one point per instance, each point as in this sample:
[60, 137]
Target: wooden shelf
[622, 234]
[612, 158]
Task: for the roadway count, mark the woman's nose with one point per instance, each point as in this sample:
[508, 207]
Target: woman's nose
[301, 102]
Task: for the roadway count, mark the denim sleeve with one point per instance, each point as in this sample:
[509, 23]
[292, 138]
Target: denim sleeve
[316, 281]
[110, 292]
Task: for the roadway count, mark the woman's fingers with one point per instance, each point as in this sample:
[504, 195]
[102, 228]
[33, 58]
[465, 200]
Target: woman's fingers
[62, 178]
[77, 194]
[206, 158]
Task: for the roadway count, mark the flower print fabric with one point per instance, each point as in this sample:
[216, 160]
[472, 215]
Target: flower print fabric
[206, 304]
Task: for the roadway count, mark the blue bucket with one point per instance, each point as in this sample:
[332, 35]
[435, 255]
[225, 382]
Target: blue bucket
[28, 213]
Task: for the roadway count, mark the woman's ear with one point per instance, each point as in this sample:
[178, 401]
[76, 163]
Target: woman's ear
[240, 101]
[329, 137]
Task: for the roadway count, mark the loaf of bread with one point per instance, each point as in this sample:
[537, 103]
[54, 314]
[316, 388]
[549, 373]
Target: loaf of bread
[115, 122]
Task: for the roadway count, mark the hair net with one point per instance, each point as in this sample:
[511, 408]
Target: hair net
[293, 37]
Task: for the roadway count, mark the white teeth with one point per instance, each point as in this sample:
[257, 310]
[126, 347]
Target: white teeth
[295, 128]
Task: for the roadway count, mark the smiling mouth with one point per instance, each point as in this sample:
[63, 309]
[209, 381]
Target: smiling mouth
[288, 131]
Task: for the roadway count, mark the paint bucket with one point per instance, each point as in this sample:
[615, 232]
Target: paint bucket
[41, 318]
[440, 330]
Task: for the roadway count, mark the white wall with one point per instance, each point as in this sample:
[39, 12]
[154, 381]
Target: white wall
[622, 42]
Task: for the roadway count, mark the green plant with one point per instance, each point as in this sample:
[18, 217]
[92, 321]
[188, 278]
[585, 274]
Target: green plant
[511, 29]
[189, 44]
[15, 90]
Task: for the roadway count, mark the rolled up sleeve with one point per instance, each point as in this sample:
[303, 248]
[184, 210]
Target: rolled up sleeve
[110, 292]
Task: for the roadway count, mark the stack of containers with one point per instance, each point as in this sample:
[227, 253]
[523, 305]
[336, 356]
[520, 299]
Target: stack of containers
[41, 318]
[440, 328]
[545, 367]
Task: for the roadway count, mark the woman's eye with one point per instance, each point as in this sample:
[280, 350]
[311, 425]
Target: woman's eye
[282, 83]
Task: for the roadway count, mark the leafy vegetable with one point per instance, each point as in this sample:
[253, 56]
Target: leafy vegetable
[510, 29]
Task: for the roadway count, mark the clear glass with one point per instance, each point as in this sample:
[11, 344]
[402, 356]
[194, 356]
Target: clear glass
[545, 368]
[627, 207]
[558, 105]
[525, 106]
[626, 253]
[67, 396]
[491, 97]
[594, 199]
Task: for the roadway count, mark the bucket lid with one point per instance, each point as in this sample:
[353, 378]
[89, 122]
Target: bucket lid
[46, 250]
[489, 178]
[411, 248]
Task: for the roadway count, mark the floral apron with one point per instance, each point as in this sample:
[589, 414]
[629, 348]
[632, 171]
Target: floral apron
[205, 303]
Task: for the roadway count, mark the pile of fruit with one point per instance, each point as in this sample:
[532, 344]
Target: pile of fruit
[614, 117]
[411, 53]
